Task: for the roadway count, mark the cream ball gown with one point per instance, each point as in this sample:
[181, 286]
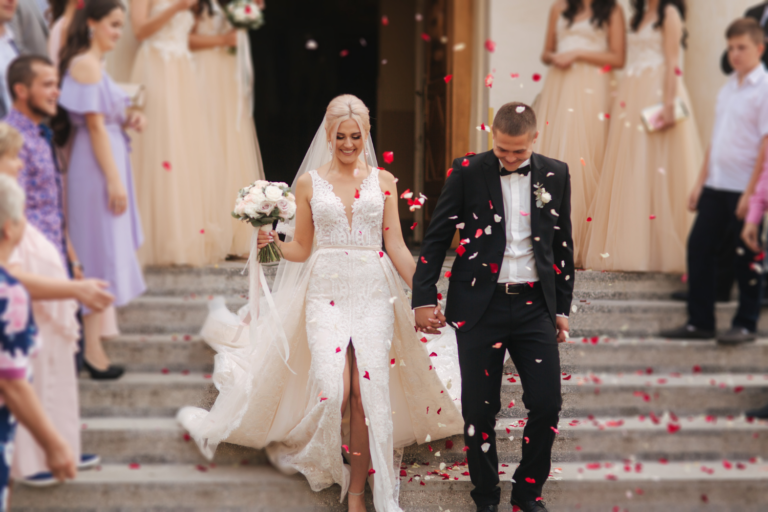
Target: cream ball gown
[571, 112]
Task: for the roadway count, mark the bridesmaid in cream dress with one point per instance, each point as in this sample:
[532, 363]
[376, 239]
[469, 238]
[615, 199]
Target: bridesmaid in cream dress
[640, 217]
[173, 158]
[228, 113]
[585, 41]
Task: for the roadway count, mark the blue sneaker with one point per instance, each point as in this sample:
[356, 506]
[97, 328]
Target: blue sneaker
[88, 461]
[43, 479]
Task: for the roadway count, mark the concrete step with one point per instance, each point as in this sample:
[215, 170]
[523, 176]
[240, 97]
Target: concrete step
[163, 441]
[155, 441]
[150, 353]
[168, 314]
[227, 278]
[683, 487]
[616, 318]
[634, 318]
[159, 394]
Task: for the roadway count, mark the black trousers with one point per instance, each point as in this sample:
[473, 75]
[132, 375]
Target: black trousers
[527, 332]
[716, 230]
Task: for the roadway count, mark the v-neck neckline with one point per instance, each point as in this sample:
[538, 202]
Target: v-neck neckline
[351, 218]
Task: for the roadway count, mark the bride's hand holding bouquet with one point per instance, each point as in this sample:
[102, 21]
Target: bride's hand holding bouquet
[261, 205]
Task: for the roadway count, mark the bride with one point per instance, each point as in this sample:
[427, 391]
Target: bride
[333, 368]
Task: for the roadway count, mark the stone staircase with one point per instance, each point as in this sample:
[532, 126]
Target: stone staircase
[647, 425]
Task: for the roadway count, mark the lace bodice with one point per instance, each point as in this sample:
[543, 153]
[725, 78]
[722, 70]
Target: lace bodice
[173, 38]
[330, 216]
[644, 50]
[582, 35]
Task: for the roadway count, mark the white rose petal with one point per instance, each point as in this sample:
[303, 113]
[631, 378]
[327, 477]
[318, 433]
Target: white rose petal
[485, 447]
[428, 439]
[471, 431]
[497, 218]
[488, 230]
[460, 225]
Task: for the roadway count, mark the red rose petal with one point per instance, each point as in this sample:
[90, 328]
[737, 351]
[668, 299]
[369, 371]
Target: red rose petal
[589, 219]
[557, 270]
[448, 444]
[460, 250]
[494, 268]
[448, 78]
[536, 77]
[414, 226]
[366, 376]
[357, 194]
[485, 436]
[371, 471]
[448, 172]
[134, 465]
[530, 480]
[448, 274]
[167, 166]
[385, 20]
[490, 45]
[460, 324]
[389, 157]
[333, 303]
[344, 53]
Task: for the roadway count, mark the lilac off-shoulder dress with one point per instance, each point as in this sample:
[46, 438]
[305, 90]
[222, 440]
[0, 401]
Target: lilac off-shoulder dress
[105, 243]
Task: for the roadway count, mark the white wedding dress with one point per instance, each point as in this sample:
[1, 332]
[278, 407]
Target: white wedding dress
[287, 396]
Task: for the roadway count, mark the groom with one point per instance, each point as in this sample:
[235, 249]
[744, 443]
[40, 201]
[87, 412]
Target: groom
[510, 290]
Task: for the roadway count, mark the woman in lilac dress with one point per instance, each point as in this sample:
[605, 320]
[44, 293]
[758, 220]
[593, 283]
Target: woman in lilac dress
[103, 220]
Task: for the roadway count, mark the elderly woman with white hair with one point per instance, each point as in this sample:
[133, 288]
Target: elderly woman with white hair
[18, 344]
[37, 264]
[338, 371]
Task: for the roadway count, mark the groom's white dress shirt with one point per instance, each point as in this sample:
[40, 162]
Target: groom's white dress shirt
[519, 265]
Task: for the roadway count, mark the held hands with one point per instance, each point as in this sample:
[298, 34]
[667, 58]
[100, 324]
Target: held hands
[93, 294]
[136, 121]
[562, 329]
[751, 236]
[266, 238]
[564, 60]
[118, 197]
[429, 320]
[666, 118]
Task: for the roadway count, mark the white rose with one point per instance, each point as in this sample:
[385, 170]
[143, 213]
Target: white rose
[291, 210]
[251, 210]
[240, 208]
[255, 196]
[260, 183]
[283, 205]
[545, 197]
[291, 197]
[265, 207]
[273, 193]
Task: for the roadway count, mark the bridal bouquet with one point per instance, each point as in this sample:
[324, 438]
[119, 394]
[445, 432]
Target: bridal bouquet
[260, 205]
[245, 14]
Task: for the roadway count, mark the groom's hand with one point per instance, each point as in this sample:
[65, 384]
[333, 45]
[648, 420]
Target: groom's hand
[429, 319]
[562, 329]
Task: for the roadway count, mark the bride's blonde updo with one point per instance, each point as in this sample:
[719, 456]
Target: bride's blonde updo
[346, 107]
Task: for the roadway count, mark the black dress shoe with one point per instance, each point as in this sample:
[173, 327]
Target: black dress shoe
[736, 336]
[529, 506]
[487, 508]
[111, 373]
[760, 414]
[687, 332]
[683, 297]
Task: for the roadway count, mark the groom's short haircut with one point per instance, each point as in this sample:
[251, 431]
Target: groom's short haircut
[515, 119]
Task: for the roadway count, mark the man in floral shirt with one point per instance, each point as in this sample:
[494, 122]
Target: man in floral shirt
[34, 86]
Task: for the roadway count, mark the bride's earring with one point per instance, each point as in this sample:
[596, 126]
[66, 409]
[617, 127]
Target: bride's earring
[90, 33]
[330, 147]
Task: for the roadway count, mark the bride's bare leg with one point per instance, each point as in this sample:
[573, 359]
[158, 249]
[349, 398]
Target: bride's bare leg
[361, 454]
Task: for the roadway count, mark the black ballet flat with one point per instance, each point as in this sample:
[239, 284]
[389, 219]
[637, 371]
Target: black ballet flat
[111, 373]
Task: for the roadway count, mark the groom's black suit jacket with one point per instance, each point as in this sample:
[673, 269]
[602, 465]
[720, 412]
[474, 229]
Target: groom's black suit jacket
[475, 191]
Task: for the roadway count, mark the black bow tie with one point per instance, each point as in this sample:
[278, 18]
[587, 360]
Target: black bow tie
[522, 171]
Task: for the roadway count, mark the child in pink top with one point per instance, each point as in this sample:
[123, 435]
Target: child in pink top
[758, 205]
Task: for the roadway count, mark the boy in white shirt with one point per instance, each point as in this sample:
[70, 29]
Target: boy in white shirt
[721, 195]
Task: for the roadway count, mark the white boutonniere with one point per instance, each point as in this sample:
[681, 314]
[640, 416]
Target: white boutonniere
[542, 196]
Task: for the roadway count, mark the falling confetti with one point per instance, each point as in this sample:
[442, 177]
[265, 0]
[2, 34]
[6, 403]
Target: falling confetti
[448, 78]
[389, 157]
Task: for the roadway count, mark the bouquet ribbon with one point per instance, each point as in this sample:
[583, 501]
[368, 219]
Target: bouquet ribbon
[256, 283]
[244, 76]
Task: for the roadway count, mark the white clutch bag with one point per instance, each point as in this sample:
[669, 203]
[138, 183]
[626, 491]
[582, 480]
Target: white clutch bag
[135, 92]
[651, 116]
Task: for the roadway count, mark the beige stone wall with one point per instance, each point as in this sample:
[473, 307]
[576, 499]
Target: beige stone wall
[518, 27]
